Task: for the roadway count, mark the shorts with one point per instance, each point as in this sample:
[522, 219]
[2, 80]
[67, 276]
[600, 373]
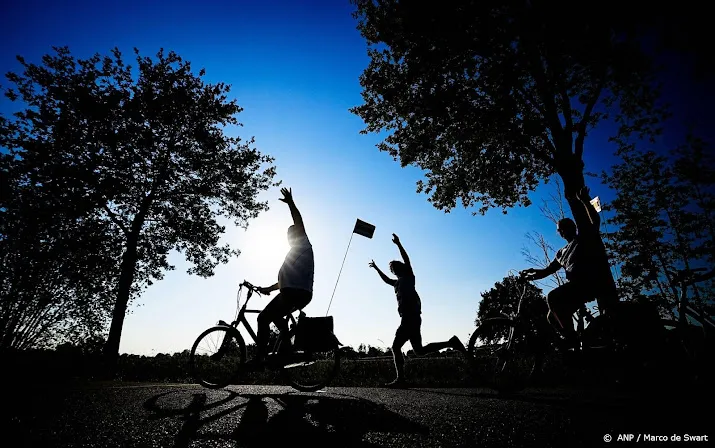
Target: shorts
[409, 330]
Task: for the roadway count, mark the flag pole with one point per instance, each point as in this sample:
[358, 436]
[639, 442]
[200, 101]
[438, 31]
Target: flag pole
[341, 270]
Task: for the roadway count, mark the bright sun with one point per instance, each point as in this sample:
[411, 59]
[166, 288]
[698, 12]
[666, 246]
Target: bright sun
[265, 245]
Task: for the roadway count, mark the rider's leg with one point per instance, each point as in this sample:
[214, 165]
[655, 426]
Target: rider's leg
[563, 302]
[273, 312]
[288, 300]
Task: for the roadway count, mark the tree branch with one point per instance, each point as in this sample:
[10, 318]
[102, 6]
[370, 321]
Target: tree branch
[116, 220]
[531, 101]
[543, 157]
[587, 116]
[542, 86]
[565, 106]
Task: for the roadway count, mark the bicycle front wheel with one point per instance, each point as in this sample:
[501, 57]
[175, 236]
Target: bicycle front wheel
[500, 356]
[217, 356]
[311, 369]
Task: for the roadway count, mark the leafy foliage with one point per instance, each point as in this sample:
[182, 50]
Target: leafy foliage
[664, 219]
[491, 97]
[503, 298]
[142, 160]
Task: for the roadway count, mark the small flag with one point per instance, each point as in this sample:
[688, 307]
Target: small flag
[596, 202]
[364, 229]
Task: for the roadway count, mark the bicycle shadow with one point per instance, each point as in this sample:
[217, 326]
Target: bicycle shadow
[323, 419]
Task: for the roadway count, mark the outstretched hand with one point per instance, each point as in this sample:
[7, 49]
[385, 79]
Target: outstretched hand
[395, 239]
[372, 264]
[287, 195]
[584, 194]
[263, 291]
[528, 274]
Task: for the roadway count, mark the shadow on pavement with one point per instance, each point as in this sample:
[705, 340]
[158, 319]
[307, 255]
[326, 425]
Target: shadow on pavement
[321, 420]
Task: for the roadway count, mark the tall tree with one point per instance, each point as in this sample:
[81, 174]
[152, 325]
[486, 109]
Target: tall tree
[144, 156]
[491, 97]
[56, 263]
[663, 220]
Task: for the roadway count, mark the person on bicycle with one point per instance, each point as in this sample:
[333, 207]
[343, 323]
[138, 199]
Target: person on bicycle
[587, 270]
[295, 281]
[409, 308]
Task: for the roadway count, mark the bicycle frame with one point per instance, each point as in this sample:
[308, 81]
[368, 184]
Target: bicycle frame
[241, 315]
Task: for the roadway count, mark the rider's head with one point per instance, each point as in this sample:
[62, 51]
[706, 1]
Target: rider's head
[397, 268]
[566, 228]
[293, 235]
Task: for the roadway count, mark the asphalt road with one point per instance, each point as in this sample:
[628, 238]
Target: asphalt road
[149, 415]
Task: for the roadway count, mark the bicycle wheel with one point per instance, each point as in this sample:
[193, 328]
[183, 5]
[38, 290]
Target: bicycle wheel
[309, 370]
[217, 356]
[498, 363]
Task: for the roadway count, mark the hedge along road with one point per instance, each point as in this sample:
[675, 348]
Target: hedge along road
[184, 415]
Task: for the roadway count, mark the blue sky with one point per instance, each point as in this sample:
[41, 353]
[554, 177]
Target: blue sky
[294, 67]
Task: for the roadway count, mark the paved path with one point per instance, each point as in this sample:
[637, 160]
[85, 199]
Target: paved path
[150, 415]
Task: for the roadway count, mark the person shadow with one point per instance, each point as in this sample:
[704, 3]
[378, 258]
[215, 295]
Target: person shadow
[326, 420]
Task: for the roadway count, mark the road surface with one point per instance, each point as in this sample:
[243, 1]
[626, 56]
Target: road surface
[180, 415]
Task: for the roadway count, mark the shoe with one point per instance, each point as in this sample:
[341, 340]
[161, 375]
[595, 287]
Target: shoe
[457, 344]
[397, 383]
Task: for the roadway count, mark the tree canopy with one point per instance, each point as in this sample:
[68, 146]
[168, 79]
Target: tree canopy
[504, 298]
[663, 219]
[141, 157]
[492, 97]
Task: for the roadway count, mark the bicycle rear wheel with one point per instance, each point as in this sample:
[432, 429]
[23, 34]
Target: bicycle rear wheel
[498, 363]
[217, 356]
[309, 370]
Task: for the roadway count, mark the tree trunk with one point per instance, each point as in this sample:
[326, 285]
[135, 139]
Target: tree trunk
[124, 286]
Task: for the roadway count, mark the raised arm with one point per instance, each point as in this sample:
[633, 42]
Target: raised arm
[288, 199]
[405, 258]
[384, 277]
[585, 197]
[586, 217]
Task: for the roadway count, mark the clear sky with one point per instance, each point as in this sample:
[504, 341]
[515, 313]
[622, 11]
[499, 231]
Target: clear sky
[294, 67]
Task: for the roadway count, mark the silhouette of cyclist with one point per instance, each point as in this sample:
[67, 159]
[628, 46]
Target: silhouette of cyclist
[295, 282]
[587, 270]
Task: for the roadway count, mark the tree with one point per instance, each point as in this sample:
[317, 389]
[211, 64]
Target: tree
[663, 220]
[55, 264]
[504, 297]
[489, 98]
[144, 158]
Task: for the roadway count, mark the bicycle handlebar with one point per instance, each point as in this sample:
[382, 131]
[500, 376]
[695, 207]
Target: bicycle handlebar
[250, 287]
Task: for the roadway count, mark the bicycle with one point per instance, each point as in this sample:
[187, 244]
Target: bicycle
[507, 350]
[307, 360]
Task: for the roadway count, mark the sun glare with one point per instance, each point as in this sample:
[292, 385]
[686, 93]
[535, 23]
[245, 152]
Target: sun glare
[265, 246]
